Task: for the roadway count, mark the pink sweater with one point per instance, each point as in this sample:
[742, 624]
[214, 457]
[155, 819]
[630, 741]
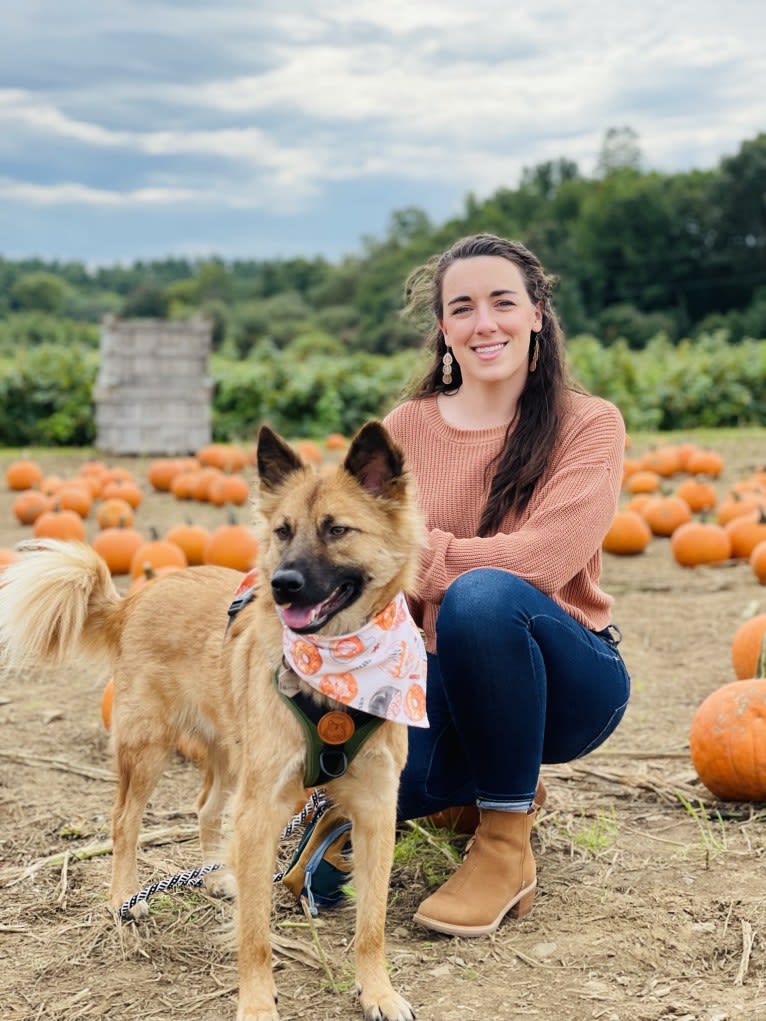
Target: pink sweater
[555, 544]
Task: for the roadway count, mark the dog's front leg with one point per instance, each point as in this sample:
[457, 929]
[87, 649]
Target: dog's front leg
[258, 821]
[373, 836]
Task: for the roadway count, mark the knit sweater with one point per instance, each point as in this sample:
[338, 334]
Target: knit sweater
[555, 543]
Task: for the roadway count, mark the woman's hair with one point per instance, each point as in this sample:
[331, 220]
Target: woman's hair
[535, 425]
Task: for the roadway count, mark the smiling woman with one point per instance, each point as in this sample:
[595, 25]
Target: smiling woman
[518, 475]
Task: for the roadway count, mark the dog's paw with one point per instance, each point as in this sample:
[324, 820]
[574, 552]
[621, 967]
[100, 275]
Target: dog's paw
[221, 884]
[139, 911]
[388, 1007]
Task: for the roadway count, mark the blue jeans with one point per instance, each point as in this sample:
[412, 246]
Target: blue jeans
[515, 682]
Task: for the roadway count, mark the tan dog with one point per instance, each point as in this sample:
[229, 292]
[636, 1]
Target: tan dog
[335, 550]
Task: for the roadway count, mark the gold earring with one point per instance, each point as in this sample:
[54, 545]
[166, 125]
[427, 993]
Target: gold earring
[535, 355]
[447, 367]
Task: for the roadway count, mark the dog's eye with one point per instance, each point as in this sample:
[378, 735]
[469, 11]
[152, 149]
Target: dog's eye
[336, 531]
[282, 532]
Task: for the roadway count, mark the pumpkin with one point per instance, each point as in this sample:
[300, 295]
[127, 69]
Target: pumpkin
[628, 534]
[76, 497]
[150, 573]
[758, 562]
[117, 475]
[227, 457]
[664, 514]
[335, 441]
[309, 451]
[736, 504]
[29, 505]
[745, 532]
[746, 646]
[705, 462]
[115, 513]
[231, 545]
[182, 485]
[685, 451]
[202, 481]
[128, 491]
[665, 461]
[59, 524]
[162, 471]
[643, 482]
[51, 484]
[699, 495]
[700, 542]
[116, 546]
[8, 556]
[191, 539]
[727, 741]
[228, 489]
[23, 474]
[638, 502]
[154, 554]
[107, 703]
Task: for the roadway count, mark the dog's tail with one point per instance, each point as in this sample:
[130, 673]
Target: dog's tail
[57, 603]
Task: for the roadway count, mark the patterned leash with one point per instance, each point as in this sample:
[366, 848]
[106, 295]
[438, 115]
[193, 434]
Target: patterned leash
[314, 807]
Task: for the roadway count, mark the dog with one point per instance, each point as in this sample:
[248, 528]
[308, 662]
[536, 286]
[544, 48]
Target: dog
[334, 551]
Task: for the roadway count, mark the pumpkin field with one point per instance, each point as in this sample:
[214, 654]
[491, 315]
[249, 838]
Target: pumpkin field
[652, 888]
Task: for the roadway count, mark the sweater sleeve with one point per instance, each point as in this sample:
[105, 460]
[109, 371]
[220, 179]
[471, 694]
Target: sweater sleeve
[567, 518]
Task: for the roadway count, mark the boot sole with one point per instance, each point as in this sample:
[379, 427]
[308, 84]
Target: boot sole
[518, 906]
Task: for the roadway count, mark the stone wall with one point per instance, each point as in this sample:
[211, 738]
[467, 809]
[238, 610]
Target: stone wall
[153, 391]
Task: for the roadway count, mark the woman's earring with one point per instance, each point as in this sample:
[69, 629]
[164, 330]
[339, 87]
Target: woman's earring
[535, 355]
[447, 367]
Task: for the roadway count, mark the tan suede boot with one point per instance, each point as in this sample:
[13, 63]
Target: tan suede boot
[497, 877]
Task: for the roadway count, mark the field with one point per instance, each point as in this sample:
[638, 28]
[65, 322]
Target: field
[652, 894]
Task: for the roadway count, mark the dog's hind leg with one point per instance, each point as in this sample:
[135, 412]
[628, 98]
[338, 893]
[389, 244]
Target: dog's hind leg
[372, 811]
[211, 802]
[139, 767]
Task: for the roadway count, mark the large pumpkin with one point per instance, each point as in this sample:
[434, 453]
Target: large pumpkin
[727, 741]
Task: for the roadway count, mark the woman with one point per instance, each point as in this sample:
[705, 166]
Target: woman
[518, 475]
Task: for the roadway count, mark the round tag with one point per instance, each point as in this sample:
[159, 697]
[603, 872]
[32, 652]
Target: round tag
[335, 727]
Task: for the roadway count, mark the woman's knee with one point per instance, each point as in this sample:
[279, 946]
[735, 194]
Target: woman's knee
[481, 600]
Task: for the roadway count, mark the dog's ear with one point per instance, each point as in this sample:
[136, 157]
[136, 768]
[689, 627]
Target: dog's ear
[374, 459]
[275, 458]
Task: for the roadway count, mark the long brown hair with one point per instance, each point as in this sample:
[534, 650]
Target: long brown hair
[535, 426]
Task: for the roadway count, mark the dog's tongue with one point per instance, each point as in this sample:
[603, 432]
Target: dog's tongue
[297, 617]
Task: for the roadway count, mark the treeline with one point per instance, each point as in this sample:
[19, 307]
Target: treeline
[637, 253]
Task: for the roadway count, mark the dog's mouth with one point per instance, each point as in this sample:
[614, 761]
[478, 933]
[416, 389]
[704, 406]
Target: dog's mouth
[306, 620]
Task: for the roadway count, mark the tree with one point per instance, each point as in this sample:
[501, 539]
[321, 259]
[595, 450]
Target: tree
[38, 292]
[620, 150]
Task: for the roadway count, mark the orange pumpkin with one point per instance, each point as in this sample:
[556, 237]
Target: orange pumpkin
[665, 461]
[154, 554]
[125, 490]
[746, 531]
[115, 513]
[664, 514]
[29, 505]
[74, 497]
[228, 489]
[23, 474]
[727, 741]
[335, 441]
[309, 451]
[628, 534]
[735, 504]
[191, 539]
[705, 462]
[746, 646]
[758, 562]
[59, 524]
[643, 482]
[107, 704]
[117, 546]
[231, 545]
[150, 573]
[162, 471]
[698, 494]
[700, 542]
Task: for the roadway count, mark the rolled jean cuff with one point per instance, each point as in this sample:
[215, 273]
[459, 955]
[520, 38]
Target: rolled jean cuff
[520, 805]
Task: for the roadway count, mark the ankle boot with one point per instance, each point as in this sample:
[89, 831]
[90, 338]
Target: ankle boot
[465, 818]
[497, 877]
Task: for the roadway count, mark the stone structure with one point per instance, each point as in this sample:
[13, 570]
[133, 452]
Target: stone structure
[153, 391]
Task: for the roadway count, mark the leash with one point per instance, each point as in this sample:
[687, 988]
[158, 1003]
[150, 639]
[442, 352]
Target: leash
[317, 804]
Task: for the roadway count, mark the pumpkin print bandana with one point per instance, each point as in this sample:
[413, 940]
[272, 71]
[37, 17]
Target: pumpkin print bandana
[380, 669]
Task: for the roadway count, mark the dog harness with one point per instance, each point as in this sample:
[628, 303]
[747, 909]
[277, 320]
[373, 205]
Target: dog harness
[333, 737]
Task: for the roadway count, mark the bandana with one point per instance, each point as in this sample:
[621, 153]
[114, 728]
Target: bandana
[380, 669]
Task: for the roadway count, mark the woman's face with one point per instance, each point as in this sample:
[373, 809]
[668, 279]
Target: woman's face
[488, 319]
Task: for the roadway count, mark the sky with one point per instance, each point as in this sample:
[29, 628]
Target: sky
[261, 129]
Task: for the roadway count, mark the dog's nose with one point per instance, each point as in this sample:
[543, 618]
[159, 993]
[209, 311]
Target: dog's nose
[287, 584]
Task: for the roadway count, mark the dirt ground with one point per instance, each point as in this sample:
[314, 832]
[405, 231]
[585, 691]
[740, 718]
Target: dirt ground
[652, 895]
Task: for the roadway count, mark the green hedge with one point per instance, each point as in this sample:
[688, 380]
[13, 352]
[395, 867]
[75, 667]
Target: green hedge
[46, 392]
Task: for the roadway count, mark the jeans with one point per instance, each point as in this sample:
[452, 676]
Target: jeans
[515, 682]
